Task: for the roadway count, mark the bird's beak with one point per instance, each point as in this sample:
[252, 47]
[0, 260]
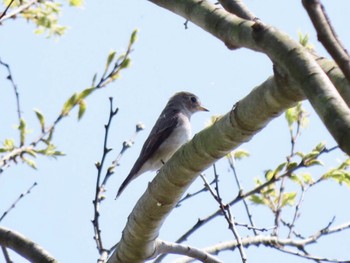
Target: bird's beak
[200, 108]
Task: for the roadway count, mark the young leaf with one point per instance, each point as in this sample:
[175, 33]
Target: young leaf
[240, 154]
[110, 58]
[82, 109]
[9, 144]
[22, 130]
[41, 119]
[30, 162]
[288, 199]
[69, 104]
[256, 199]
[133, 37]
[86, 92]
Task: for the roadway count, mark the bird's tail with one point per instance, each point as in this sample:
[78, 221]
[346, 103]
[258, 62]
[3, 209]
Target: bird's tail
[128, 179]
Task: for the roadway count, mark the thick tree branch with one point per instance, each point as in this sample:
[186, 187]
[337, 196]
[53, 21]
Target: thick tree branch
[24, 247]
[280, 48]
[327, 35]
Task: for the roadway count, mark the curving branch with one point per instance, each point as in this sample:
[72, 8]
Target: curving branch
[24, 246]
[327, 35]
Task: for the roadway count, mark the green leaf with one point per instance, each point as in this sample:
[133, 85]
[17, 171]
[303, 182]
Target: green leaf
[309, 163]
[340, 176]
[76, 3]
[291, 166]
[110, 58]
[69, 104]
[30, 162]
[280, 168]
[320, 147]
[41, 119]
[125, 64]
[345, 165]
[303, 39]
[82, 109]
[290, 116]
[49, 138]
[240, 154]
[288, 199]
[133, 37]
[22, 129]
[256, 199]
[269, 175]
[94, 80]
[50, 150]
[9, 144]
[307, 178]
[296, 179]
[86, 92]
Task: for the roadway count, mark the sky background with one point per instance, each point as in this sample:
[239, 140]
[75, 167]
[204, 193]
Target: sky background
[166, 59]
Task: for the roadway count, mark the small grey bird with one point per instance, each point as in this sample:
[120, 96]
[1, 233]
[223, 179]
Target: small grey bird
[172, 129]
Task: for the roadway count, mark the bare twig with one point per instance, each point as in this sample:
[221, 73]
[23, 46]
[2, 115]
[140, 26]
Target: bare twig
[13, 205]
[225, 209]
[10, 78]
[240, 189]
[99, 189]
[327, 35]
[101, 186]
[190, 195]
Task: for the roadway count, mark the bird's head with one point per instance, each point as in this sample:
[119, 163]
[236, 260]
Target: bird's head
[188, 102]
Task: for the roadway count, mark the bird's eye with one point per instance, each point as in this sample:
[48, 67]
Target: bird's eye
[194, 99]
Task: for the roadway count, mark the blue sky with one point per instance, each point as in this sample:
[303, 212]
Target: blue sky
[166, 59]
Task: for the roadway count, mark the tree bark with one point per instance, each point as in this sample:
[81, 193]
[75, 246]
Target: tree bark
[24, 247]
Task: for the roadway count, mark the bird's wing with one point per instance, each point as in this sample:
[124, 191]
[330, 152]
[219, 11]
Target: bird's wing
[160, 132]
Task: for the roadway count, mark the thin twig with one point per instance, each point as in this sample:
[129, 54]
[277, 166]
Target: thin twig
[225, 209]
[240, 189]
[15, 89]
[13, 205]
[190, 195]
[99, 190]
[101, 186]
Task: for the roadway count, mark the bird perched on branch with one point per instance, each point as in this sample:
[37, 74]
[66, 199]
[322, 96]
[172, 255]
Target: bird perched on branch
[170, 132]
